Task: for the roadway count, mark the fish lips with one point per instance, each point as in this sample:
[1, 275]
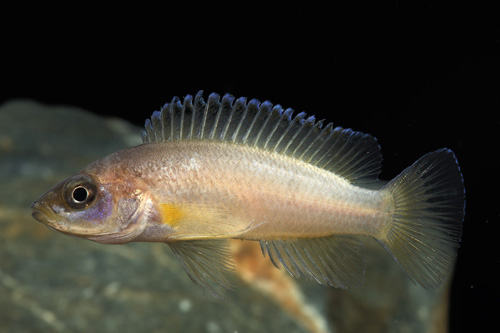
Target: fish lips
[44, 215]
[41, 213]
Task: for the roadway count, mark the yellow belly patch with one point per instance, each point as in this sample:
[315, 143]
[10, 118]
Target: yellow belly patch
[171, 214]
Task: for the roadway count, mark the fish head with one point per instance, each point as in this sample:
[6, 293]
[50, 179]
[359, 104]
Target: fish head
[87, 206]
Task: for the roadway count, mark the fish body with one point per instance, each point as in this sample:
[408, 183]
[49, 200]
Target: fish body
[239, 188]
[211, 171]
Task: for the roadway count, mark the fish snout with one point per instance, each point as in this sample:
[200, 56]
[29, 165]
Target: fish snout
[41, 211]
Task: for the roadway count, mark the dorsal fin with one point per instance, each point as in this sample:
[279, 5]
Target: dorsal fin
[352, 155]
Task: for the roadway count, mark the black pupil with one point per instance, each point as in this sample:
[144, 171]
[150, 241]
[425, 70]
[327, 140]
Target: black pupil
[80, 194]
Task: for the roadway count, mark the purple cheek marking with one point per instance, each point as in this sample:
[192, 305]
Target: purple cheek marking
[99, 212]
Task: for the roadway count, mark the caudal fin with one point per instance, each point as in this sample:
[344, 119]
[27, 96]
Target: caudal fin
[428, 204]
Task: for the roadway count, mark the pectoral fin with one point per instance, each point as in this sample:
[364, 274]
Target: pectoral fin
[206, 262]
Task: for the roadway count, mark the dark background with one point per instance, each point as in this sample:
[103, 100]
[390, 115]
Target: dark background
[418, 77]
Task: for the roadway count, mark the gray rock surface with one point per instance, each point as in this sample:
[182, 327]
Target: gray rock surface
[50, 282]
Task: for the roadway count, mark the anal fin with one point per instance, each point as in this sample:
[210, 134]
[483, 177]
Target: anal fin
[206, 262]
[334, 260]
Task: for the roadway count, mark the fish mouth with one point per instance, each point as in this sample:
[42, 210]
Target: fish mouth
[42, 214]
[45, 215]
[48, 217]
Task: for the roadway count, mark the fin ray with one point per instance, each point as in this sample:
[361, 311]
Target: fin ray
[352, 155]
[427, 213]
[334, 260]
[206, 262]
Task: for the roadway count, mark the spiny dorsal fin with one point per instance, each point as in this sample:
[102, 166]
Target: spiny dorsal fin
[352, 155]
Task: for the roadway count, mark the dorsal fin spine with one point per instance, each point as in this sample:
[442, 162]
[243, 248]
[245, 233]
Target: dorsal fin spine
[338, 156]
[288, 114]
[308, 124]
[214, 99]
[166, 120]
[181, 124]
[162, 124]
[199, 104]
[171, 122]
[298, 118]
[188, 123]
[155, 119]
[302, 122]
[168, 131]
[240, 103]
[326, 131]
[146, 135]
[264, 107]
[174, 124]
[275, 110]
[252, 103]
[315, 130]
[227, 100]
[188, 105]
[320, 162]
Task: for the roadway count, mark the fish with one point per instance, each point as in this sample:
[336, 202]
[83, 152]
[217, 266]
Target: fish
[233, 168]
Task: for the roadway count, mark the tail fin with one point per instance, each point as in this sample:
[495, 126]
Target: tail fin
[428, 204]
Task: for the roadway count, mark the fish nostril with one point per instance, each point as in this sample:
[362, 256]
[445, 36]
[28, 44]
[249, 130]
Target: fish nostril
[36, 205]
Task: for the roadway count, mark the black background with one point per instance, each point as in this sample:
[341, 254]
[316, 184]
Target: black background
[418, 77]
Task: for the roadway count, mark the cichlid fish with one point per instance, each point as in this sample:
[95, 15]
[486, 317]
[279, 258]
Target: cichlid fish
[228, 168]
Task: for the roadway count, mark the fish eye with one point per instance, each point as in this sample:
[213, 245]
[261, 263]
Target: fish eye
[80, 192]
